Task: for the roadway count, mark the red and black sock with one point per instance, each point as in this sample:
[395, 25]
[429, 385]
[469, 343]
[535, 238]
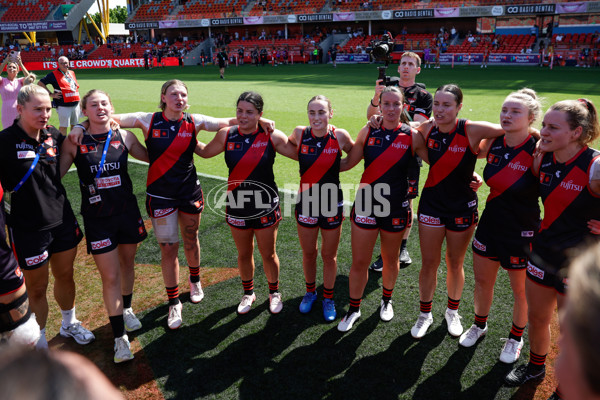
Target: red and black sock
[310, 287]
[536, 361]
[194, 274]
[453, 304]
[327, 293]
[387, 294]
[481, 321]
[248, 286]
[173, 294]
[516, 332]
[273, 287]
[425, 306]
[354, 305]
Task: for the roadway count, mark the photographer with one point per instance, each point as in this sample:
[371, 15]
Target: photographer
[417, 104]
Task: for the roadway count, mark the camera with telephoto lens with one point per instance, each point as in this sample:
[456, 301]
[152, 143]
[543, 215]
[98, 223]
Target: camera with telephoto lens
[382, 51]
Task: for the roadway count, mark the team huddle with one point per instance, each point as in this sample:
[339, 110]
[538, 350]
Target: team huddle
[407, 125]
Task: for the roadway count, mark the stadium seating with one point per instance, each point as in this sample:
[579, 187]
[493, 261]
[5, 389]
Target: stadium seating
[155, 11]
[44, 53]
[506, 44]
[28, 10]
[197, 9]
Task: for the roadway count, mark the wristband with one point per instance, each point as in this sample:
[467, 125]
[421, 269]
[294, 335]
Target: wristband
[373, 105]
[80, 126]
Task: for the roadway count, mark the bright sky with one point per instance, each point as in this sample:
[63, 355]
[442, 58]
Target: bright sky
[111, 4]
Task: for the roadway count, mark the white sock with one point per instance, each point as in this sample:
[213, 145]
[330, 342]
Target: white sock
[427, 314]
[42, 342]
[449, 311]
[68, 317]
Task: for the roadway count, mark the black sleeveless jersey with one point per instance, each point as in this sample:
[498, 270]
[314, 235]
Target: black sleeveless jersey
[11, 277]
[512, 204]
[319, 160]
[251, 184]
[417, 101]
[112, 193]
[171, 145]
[387, 155]
[568, 206]
[451, 166]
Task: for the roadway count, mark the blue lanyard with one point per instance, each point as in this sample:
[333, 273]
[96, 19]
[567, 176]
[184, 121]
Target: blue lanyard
[101, 165]
[29, 172]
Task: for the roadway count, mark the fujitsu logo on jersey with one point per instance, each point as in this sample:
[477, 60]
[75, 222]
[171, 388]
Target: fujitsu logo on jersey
[24, 146]
[185, 134]
[457, 149]
[259, 145]
[109, 166]
[517, 166]
[571, 186]
[402, 146]
[330, 151]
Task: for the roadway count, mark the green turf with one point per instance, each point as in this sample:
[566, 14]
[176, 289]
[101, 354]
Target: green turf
[217, 354]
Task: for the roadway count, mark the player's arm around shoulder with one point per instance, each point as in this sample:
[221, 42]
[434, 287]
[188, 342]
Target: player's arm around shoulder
[356, 153]
[214, 147]
[419, 146]
[139, 120]
[68, 151]
[135, 148]
[283, 146]
[344, 139]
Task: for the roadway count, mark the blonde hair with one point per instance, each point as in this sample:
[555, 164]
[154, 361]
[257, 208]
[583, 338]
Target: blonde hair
[528, 97]
[29, 79]
[582, 113]
[85, 98]
[583, 313]
[27, 91]
[162, 105]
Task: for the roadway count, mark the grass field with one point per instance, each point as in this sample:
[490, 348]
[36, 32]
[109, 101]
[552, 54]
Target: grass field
[217, 354]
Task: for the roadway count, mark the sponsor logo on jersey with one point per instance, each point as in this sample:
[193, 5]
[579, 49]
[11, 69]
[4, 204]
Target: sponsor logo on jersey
[330, 151]
[571, 186]
[527, 233]
[88, 148]
[373, 141]
[545, 179]
[433, 144]
[185, 134]
[259, 145]
[361, 219]
[24, 146]
[109, 166]
[236, 221]
[402, 146]
[234, 146]
[306, 149]
[163, 212]
[478, 245]
[101, 244]
[36, 260]
[426, 219]
[25, 155]
[493, 159]
[457, 149]
[109, 182]
[307, 220]
[517, 166]
[160, 133]
[535, 271]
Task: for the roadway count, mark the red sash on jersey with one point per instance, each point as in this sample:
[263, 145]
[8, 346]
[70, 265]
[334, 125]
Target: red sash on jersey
[507, 176]
[168, 158]
[383, 163]
[447, 162]
[248, 162]
[559, 199]
[69, 93]
[321, 165]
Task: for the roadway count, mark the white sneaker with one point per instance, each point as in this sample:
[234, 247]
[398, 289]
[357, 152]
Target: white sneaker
[275, 303]
[453, 320]
[174, 319]
[77, 332]
[420, 327]
[196, 292]
[122, 350]
[132, 323]
[386, 313]
[349, 319]
[472, 335]
[511, 351]
[246, 303]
